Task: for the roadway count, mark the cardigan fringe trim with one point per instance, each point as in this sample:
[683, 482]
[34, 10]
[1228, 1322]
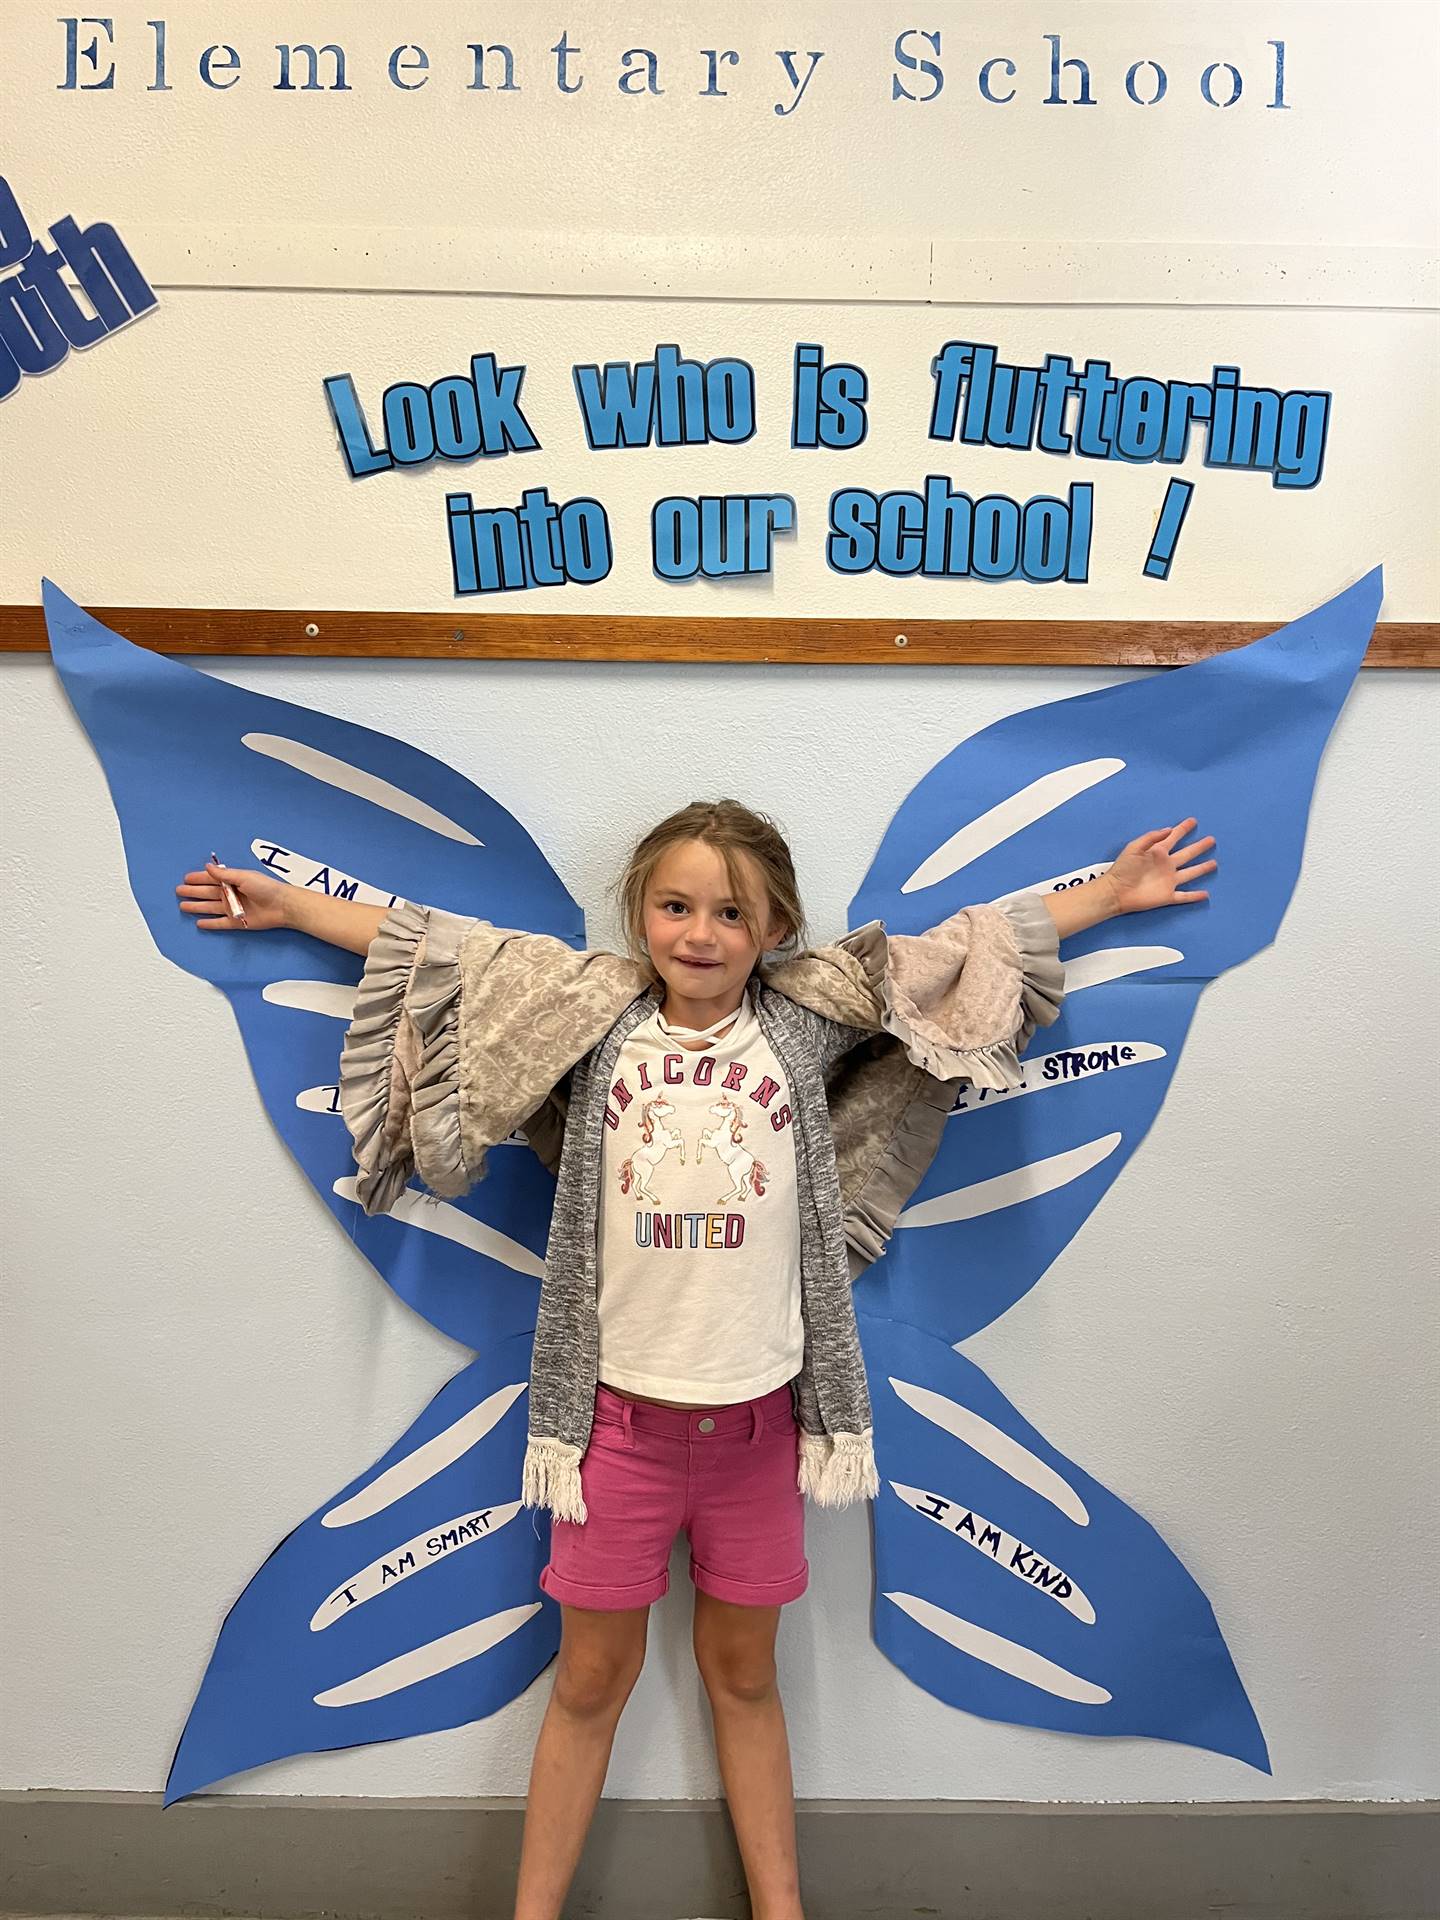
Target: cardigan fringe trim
[838, 1469]
[551, 1479]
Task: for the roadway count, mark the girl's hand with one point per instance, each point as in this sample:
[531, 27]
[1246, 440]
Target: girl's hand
[1150, 870]
[262, 899]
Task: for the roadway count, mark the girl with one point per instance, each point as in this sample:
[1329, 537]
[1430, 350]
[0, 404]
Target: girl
[732, 1144]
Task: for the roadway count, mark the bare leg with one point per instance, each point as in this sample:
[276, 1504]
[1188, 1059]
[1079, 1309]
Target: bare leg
[601, 1655]
[735, 1652]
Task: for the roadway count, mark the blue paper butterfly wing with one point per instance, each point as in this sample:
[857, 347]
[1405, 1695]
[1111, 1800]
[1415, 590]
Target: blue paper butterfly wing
[196, 765]
[1012, 1585]
[193, 765]
[407, 1603]
[1043, 799]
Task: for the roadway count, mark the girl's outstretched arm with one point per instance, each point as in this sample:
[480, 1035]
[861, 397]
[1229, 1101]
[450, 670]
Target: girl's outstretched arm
[266, 902]
[1147, 873]
[967, 996]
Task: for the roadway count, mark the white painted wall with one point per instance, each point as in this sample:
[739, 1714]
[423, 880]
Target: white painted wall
[1241, 1343]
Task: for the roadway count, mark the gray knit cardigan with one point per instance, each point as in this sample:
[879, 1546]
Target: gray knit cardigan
[464, 1033]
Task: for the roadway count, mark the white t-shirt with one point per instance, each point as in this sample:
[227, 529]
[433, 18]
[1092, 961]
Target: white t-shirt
[699, 1230]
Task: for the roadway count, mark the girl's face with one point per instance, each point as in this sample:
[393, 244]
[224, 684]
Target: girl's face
[696, 934]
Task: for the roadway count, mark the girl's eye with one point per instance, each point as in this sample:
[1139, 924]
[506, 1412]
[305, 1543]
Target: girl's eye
[732, 914]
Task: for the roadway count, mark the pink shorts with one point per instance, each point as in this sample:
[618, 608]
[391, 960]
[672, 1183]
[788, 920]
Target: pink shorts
[727, 1475]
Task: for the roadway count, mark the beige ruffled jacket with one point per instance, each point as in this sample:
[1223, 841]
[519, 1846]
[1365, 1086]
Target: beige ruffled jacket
[960, 1001]
[465, 1034]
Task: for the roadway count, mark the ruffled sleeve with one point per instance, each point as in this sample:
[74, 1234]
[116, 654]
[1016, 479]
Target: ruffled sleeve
[399, 1065]
[966, 997]
[464, 1032]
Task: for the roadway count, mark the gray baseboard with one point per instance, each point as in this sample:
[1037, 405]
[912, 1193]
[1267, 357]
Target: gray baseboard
[291, 1859]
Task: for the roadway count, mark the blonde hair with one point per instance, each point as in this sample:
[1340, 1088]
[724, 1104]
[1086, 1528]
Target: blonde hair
[733, 831]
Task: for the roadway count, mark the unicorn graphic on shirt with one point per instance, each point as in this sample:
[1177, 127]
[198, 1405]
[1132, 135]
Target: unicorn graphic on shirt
[657, 1139]
[727, 1142]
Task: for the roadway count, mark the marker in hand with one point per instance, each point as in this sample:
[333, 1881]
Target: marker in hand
[232, 899]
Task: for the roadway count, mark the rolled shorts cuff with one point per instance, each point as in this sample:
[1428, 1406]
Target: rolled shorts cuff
[751, 1593]
[578, 1593]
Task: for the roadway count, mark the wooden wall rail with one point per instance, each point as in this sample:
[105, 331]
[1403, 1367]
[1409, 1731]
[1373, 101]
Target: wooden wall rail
[525, 636]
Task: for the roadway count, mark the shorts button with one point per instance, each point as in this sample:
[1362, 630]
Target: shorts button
[707, 1426]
